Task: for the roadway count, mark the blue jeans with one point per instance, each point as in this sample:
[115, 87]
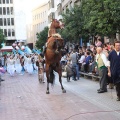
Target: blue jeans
[75, 65]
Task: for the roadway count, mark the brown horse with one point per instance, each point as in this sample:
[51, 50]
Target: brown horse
[52, 60]
[54, 25]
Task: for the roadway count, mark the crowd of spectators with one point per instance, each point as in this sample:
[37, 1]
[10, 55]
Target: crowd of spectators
[84, 56]
[78, 59]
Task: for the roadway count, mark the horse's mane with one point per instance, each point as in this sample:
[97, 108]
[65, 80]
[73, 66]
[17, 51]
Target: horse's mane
[56, 35]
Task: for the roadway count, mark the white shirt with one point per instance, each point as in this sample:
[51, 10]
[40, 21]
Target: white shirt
[64, 58]
[81, 60]
[104, 58]
[118, 53]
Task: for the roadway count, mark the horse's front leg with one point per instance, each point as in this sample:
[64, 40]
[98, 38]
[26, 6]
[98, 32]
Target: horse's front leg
[47, 75]
[47, 92]
[60, 80]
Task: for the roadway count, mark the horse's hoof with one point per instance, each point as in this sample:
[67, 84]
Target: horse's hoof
[64, 91]
[47, 92]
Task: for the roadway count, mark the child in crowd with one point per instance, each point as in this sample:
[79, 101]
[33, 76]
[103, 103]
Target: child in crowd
[40, 72]
[70, 71]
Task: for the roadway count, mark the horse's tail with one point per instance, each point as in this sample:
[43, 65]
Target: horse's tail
[52, 77]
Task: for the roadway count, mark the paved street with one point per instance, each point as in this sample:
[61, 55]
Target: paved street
[22, 97]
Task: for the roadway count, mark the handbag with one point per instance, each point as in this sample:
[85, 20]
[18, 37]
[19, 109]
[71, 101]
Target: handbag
[64, 74]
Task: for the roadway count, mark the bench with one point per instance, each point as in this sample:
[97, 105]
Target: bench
[93, 77]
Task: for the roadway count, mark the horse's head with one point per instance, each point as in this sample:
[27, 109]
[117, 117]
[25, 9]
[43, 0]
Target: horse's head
[56, 24]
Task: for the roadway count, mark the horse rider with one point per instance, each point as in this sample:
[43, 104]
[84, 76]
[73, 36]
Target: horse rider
[52, 33]
[56, 36]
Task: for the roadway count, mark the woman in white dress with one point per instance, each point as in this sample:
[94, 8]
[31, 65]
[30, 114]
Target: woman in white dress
[36, 59]
[29, 66]
[18, 66]
[8, 64]
[26, 62]
[11, 66]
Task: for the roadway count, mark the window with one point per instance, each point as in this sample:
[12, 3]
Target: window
[11, 10]
[12, 21]
[5, 22]
[13, 32]
[0, 10]
[5, 32]
[4, 11]
[8, 21]
[0, 1]
[1, 22]
[7, 1]
[11, 1]
[3, 1]
[9, 32]
[8, 11]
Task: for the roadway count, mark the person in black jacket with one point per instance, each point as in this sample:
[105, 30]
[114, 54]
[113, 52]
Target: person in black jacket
[114, 69]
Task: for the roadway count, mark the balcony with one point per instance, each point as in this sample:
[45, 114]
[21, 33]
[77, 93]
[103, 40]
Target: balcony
[59, 8]
[59, 2]
[52, 10]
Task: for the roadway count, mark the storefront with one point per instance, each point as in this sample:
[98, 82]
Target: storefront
[6, 49]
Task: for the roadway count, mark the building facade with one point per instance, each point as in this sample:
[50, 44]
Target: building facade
[43, 15]
[57, 7]
[39, 20]
[52, 12]
[12, 21]
[69, 4]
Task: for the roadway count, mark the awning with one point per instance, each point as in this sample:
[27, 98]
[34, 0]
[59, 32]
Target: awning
[6, 49]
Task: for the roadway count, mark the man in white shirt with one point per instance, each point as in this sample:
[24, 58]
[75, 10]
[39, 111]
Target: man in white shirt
[102, 63]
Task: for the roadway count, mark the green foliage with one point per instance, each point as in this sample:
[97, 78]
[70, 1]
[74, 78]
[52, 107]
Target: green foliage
[101, 16]
[92, 17]
[41, 38]
[2, 38]
[73, 24]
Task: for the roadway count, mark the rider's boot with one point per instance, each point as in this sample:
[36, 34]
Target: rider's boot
[44, 49]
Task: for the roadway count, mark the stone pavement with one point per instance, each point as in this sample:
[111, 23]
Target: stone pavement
[22, 97]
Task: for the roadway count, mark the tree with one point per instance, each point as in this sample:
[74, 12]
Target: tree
[90, 18]
[101, 16]
[73, 24]
[2, 38]
[41, 38]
